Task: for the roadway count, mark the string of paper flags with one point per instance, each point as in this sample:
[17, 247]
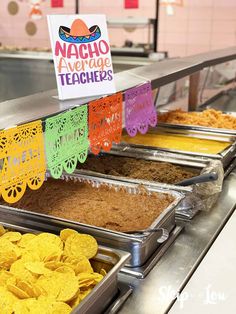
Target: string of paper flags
[26, 151]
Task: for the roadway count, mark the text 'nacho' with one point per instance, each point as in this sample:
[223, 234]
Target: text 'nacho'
[82, 55]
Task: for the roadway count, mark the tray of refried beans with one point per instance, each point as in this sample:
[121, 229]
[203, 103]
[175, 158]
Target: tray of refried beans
[160, 170]
[112, 211]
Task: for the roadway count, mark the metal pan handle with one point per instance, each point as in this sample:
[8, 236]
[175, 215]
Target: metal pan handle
[162, 238]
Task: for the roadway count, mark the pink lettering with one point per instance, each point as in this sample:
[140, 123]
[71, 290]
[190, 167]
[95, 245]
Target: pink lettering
[59, 49]
[103, 47]
[72, 51]
[82, 48]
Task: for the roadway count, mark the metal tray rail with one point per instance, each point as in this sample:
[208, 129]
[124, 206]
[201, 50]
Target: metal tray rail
[125, 290]
[131, 185]
[141, 246]
[198, 128]
[104, 292]
[189, 132]
[181, 160]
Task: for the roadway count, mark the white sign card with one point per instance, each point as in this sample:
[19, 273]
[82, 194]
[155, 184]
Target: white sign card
[81, 54]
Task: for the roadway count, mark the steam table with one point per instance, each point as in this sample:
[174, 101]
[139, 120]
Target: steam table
[158, 291]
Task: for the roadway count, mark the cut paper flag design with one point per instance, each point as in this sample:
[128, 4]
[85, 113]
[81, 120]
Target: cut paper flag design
[82, 55]
[66, 140]
[22, 160]
[57, 3]
[140, 112]
[35, 12]
[131, 4]
[105, 122]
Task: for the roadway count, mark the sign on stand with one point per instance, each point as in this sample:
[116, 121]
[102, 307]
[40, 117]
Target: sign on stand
[81, 54]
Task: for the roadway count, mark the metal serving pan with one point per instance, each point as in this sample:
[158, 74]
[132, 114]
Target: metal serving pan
[185, 209]
[194, 164]
[141, 246]
[224, 156]
[109, 259]
[198, 128]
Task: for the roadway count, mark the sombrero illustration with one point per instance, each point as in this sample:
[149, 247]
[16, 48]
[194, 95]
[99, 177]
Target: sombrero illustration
[79, 33]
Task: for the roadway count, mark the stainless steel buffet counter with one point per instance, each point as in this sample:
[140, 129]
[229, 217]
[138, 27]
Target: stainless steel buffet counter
[25, 73]
[21, 77]
[212, 289]
[159, 290]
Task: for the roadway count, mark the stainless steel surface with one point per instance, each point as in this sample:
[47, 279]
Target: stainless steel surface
[230, 168]
[110, 260]
[142, 271]
[21, 77]
[26, 55]
[125, 290]
[212, 288]
[147, 154]
[164, 234]
[140, 246]
[225, 156]
[198, 128]
[159, 73]
[25, 73]
[171, 70]
[160, 288]
[41, 105]
[212, 58]
[167, 71]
